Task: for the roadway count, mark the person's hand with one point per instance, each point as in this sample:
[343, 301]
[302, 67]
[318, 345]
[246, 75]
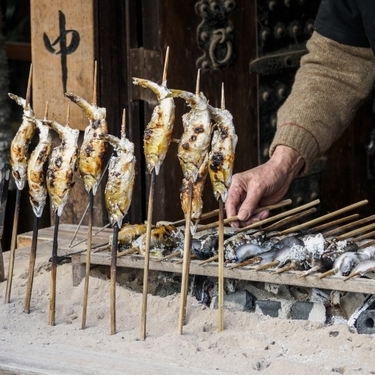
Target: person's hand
[262, 185]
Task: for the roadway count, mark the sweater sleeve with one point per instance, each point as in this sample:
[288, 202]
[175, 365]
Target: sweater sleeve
[329, 86]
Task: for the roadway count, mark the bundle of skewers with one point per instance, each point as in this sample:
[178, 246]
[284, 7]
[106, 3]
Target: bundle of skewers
[206, 148]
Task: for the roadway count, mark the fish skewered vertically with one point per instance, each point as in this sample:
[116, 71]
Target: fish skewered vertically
[36, 168]
[93, 149]
[118, 194]
[59, 180]
[197, 193]
[19, 155]
[38, 193]
[192, 153]
[195, 140]
[62, 164]
[158, 133]
[121, 175]
[157, 138]
[90, 164]
[18, 161]
[222, 153]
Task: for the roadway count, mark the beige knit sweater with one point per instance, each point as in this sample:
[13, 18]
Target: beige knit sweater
[330, 85]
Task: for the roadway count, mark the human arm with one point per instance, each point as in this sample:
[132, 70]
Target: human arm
[330, 85]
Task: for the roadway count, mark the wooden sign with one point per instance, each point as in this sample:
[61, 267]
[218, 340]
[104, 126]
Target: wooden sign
[63, 57]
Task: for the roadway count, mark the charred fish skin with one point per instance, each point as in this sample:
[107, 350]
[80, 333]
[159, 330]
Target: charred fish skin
[197, 192]
[196, 138]
[62, 164]
[222, 153]
[158, 133]
[19, 146]
[121, 176]
[36, 169]
[93, 149]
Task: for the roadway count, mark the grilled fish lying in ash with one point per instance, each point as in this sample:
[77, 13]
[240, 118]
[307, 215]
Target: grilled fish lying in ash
[19, 146]
[92, 151]
[158, 133]
[62, 164]
[121, 175]
[163, 237]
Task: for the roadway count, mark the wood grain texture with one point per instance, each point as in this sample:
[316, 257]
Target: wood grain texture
[69, 28]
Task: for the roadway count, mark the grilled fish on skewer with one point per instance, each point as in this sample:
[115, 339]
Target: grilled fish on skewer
[197, 192]
[158, 133]
[20, 143]
[35, 171]
[62, 164]
[195, 140]
[121, 176]
[363, 268]
[222, 153]
[92, 151]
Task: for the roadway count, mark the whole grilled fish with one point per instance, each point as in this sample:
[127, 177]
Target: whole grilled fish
[61, 167]
[196, 138]
[19, 146]
[222, 153]
[92, 151]
[36, 168]
[158, 133]
[121, 175]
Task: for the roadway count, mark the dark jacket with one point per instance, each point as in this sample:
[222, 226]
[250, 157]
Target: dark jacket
[350, 22]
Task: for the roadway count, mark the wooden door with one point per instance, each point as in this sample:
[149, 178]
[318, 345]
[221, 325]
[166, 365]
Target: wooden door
[191, 30]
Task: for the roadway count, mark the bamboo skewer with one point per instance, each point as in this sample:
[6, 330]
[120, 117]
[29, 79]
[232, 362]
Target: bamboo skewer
[325, 226]
[33, 251]
[186, 262]
[354, 232]
[84, 214]
[149, 225]
[52, 293]
[365, 236]
[88, 261]
[13, 243]
[113, 272]
[89, 230]
[367, 244]
[279, 216]
[235, 218]
[289, 219]
[324, 217]
[349, 226]
[13, 246]
[221, 268]
[147, 256]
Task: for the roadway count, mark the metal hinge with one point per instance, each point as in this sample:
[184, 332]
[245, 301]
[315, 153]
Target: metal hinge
[148, 64]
